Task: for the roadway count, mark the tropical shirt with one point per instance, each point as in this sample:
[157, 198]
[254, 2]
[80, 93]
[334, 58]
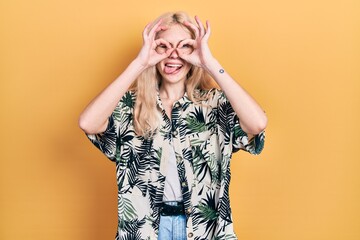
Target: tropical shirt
[204, 136]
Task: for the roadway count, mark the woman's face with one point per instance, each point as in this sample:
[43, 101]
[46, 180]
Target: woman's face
[174, 69]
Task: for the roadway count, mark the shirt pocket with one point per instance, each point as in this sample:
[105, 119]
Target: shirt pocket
[206, 161]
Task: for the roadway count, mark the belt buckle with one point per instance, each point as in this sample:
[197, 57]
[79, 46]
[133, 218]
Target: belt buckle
[171, 210]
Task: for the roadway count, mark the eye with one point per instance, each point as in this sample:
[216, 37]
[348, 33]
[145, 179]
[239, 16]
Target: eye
[162, 46]
[186, 46]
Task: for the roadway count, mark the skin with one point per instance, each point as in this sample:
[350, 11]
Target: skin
[173, 85]
[252, 118]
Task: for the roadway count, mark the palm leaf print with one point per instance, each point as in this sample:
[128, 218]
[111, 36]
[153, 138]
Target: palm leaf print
[224, 202]
[224, 121]
[137, 167]
[124, 140]
[238, 132]
[212, 119]
[127, 101]
[199, 162]
[132, 227]
[256, 144]
[196, 121]
[155, 158]
[126, 208]
[215, 169]
[131, 236]
[225, 237]
[106, 141]
[207, 213]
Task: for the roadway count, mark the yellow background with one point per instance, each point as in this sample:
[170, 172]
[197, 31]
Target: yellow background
[299, 59]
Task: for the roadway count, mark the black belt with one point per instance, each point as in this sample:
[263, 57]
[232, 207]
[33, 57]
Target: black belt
[171, 210]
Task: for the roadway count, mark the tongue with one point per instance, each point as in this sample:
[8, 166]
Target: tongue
[170, 70]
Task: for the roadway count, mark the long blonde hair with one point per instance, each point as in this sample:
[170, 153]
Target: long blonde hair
[146, 86]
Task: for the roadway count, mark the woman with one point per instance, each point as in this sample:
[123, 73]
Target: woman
[172, 134]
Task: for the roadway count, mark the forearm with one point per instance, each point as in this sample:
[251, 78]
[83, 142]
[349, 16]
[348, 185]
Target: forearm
[94, 117]
[252, 117]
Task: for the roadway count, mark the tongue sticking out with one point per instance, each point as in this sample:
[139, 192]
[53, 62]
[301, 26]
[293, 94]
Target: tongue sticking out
[169, 69]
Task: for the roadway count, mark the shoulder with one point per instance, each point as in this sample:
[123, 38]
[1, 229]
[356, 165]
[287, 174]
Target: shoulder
[128, 99]
[213, 95]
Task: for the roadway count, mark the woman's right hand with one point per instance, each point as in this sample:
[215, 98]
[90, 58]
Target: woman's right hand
[148, 56]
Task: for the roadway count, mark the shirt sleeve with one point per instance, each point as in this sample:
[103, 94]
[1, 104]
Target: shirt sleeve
[108, 141]
[241, 140]
[230, 127]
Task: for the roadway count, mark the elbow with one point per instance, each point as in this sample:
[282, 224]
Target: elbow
[257, 126]
[85, 125]
[91, 127]
[262, 124]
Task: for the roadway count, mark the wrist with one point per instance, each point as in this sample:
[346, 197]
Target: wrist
[212, 66]
[138, 64]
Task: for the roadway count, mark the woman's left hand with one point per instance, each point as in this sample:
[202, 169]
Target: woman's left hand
[201, 53]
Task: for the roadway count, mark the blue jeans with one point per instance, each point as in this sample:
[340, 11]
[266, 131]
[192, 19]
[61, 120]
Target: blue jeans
[172, 228]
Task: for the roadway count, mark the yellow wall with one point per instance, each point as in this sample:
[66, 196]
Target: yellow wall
[299, 59]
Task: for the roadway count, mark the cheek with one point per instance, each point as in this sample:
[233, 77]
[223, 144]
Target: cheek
[187, 68]
[158, 66]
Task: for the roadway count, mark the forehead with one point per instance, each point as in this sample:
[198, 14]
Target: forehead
[174, 34]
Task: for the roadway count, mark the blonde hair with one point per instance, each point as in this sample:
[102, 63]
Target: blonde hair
[146, 86]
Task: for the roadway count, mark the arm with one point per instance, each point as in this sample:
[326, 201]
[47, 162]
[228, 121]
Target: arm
[252, 118]
[94, 118]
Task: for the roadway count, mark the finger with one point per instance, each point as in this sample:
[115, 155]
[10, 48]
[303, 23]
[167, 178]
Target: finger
[152, 31]
[162, 41]
[201, 26]
[160, 28]
[185, 57]
[186, 46]
[163, 56]
[158, 58]
[146, 31]
[189, 41]
[189, 59]
[208, 31]
[162, 47]
[193, 27]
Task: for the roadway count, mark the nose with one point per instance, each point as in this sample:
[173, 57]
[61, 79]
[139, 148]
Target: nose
[174, 53]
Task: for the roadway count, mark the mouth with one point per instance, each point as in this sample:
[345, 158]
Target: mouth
[172, 68]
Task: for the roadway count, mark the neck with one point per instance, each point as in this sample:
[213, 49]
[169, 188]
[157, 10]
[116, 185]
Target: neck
[172, 91]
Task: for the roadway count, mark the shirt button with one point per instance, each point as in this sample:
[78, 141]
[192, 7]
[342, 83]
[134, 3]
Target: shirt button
[178, 160]
[175, 133]
[188, 211]
[184, 184]
[190, 235]
[176, 105]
